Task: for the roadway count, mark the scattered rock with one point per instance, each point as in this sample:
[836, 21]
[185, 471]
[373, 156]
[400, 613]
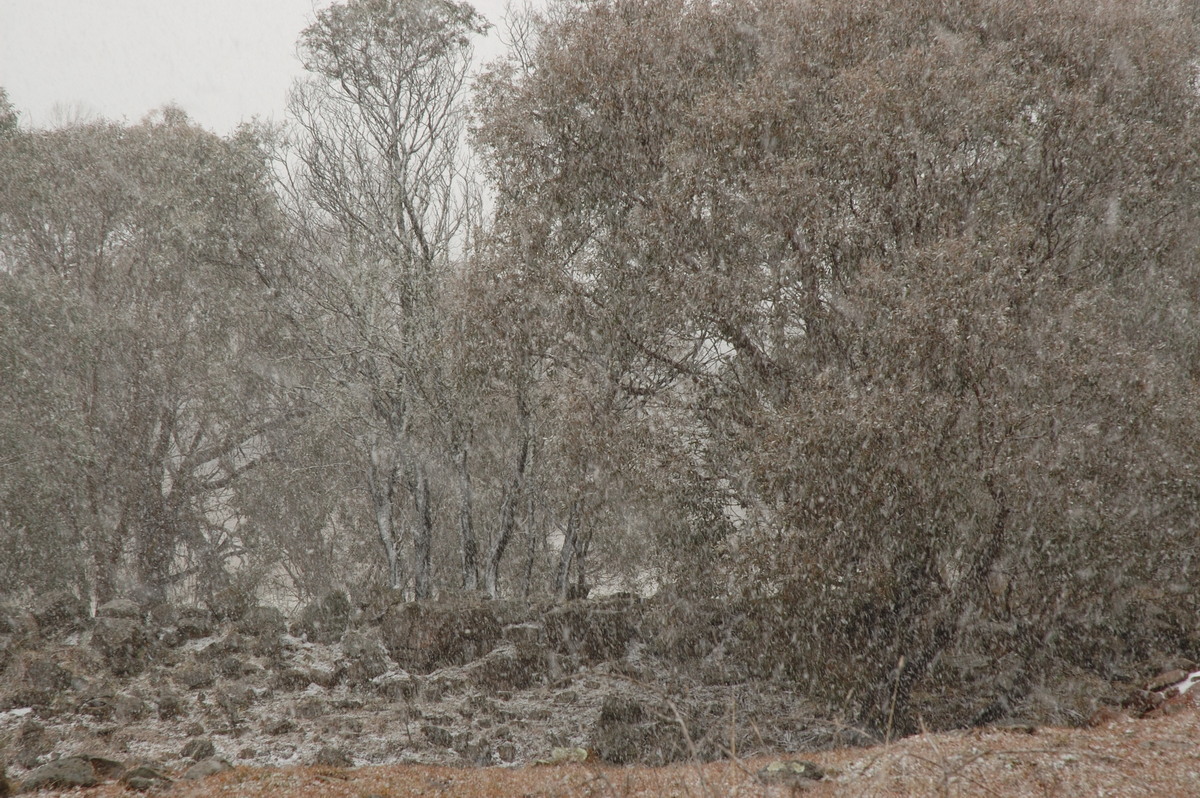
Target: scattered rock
[422, 636]
[333, 757]
[198, 748]
[126, 646]
[194, 675]
[65, 773]
[60, 611]
[32, 743]
[365, 656]
[194, 623]
[795, 773]
[324, 620]
[592, 631]
[144, 777]
[205, 768]
[119, 608]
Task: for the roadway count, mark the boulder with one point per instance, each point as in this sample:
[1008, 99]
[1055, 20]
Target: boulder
[205, 768]
[198, 748]
[119, 608]
[144, 778]
[60, 611]
[35, 679]
[32, 743]
[125, 644]
[66, 773]
[333, 757]
[365, 657]
[194, 623]
[628, 732]
[324, 620]
[593, 631]
[422, 636]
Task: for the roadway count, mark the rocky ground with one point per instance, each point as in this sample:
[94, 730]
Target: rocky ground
[150, 695]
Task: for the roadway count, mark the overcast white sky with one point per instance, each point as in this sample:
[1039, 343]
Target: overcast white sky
[222, 61]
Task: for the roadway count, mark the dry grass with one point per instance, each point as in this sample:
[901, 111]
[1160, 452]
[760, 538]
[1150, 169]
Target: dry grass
[1157, 756]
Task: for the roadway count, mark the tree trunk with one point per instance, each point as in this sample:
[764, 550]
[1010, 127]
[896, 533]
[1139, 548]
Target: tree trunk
[422, 534]
[508, 514]
[530, 549]
[382, 478]
[567, 553]
[470, 574]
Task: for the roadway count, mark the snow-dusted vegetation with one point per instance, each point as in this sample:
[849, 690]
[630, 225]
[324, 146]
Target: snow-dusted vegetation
[849, 347]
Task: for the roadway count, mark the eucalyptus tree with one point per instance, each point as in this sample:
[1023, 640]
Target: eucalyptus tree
[375, 183]
[906, 283]
[136, 352]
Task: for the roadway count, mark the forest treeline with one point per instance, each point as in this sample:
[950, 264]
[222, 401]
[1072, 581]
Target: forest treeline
[877, 315]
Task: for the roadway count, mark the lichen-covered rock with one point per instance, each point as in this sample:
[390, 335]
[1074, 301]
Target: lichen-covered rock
[422, 635]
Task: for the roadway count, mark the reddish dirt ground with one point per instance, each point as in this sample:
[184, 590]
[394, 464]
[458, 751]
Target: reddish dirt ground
[1120, 756]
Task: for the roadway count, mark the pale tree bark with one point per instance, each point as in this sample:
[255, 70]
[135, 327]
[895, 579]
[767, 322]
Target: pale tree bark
[569, 549]
[374, 180]
[508, 518]
[470, 567]
[382, 479]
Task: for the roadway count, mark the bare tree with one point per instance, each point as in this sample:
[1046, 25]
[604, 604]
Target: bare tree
[377, 191]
